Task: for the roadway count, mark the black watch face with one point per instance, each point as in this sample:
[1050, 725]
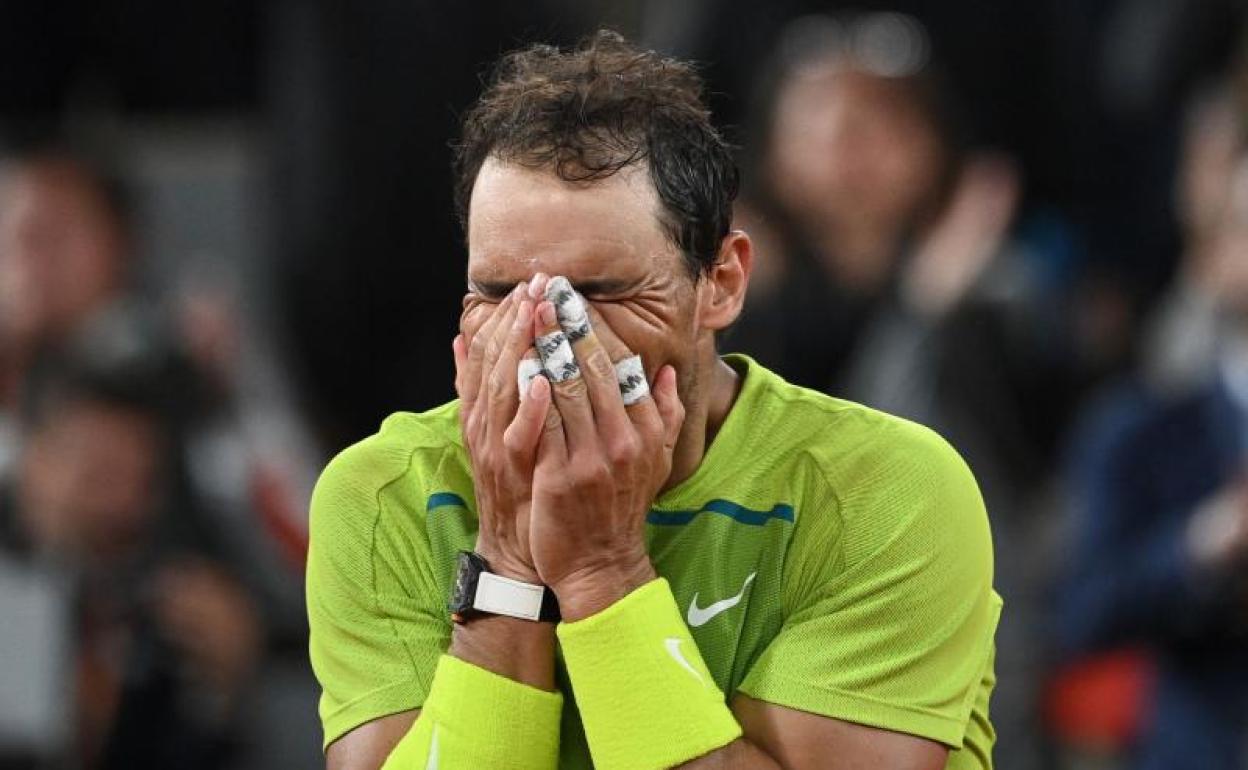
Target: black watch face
[465, 583]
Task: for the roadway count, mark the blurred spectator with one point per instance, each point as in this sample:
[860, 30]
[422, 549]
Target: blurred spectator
[1161, 517]
[166, 637]
[854, 157]
[1180, 347]
[63, 256]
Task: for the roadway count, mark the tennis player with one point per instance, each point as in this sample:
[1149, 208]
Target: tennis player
[619, 548]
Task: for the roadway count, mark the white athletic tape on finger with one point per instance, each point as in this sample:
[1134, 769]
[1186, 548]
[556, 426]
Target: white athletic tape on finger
[569, 308]
[557, 359]
[631, 376]
[527, 370]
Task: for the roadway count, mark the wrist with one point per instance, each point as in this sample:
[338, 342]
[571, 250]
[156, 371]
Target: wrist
[506, 565]
[590, 590]
[517, 649]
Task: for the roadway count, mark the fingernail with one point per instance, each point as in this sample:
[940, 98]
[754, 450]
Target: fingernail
[528, 370]
[539, 387]
[546, 312]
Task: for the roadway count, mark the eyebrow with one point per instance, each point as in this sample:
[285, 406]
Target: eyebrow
[593, 287]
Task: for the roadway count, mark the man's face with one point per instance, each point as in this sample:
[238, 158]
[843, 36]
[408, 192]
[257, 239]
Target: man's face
[605, 237]
[849, 147]
[88, 479]
[60, 251]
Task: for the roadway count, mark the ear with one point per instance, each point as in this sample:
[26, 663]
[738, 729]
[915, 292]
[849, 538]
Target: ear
[722, 290]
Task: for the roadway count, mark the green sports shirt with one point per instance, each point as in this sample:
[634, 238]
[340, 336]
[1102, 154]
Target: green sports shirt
[827, 557]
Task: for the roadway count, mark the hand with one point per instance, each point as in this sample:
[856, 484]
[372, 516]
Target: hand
[1217, 535]
[210, 619]
[500, 432]
[599, 466]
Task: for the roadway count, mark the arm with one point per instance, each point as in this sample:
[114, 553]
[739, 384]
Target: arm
[367, 746]
[775, 737]
[619, 619]
[1134, 573]
[779, 737]
[472, 715]
[517, 649]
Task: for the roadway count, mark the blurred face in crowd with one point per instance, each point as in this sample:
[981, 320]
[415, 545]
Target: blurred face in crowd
[88, 479]
[1208, 163]
[1226, 268]
[607, 239]
[849, 149]
[60, 250]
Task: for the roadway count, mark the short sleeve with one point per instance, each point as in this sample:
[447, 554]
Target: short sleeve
[374, 608]
[891, 613]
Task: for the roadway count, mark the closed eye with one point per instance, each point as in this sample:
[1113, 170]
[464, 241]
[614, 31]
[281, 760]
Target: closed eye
[488, 292]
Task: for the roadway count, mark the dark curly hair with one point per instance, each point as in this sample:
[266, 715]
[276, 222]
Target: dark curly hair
[605, 105]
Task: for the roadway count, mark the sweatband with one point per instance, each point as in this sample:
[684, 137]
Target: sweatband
[631, 376]
[557, 359]
[475, 719]
[569, 308]
[646, 698]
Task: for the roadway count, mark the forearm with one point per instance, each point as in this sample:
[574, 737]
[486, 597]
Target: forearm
[475, 718]
[493, 700]
[633, 666]
[521, 650]
[738, 755]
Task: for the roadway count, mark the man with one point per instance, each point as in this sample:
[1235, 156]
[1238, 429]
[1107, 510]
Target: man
[1160, 556]
[165, 635]
[64, 241]
[827, 567]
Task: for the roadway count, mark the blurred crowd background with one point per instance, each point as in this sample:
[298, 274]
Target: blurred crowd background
[227, 250]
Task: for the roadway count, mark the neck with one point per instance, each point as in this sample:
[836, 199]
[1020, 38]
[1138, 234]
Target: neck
[713, 389]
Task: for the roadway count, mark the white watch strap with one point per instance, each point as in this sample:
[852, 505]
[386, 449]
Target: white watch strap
[503, 596]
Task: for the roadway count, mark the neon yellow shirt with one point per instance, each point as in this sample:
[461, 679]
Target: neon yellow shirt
[857, 543]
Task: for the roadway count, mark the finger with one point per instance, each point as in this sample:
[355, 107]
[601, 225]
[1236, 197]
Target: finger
[564, 373]
[459, 349]
[476, 354]
[494, 339]
[595, 361]
[522, 435]
[529, 369]
[630, 374]
[537, 286]
[553, 445]
[501, 382]
[667, 402]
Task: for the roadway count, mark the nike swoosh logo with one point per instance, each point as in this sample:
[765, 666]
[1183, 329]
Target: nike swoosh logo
[672, 643]
[432, 764]
[699, 616]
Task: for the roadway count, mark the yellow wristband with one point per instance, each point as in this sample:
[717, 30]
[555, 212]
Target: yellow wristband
[476, 719]
[646, 697]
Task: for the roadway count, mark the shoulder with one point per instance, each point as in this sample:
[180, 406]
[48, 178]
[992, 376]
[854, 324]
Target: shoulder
[401, 456]
[896, 484]
[853, 451]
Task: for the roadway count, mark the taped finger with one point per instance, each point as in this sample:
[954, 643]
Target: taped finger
[529, 369]
[556, 353]
[631, 376]
[570, 308]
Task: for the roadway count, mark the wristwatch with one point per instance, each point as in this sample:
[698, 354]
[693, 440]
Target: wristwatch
[478, 591]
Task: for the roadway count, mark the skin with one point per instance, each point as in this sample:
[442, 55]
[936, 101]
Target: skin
[855, 163]
[86, 482]
[595, 465]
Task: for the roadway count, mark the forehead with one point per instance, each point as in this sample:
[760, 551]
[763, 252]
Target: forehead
[522, 221]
